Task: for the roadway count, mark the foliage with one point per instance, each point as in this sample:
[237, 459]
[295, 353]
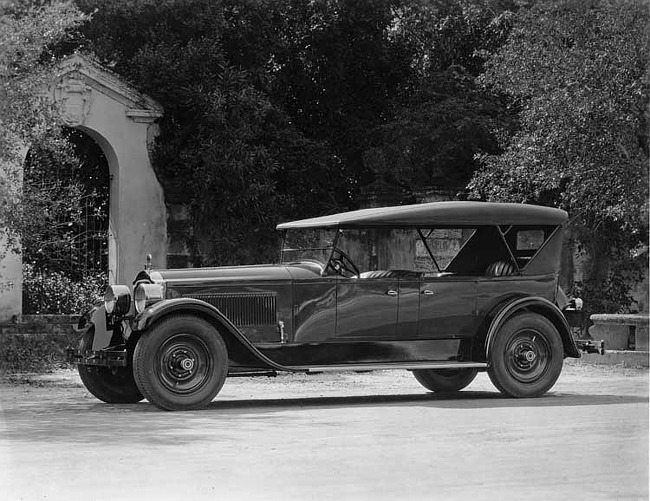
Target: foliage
[52, 292]
[578, 76]
[60, 196]
[28, 31]
[226, 150]
[443, 119]
[436, 135]
[277, 110]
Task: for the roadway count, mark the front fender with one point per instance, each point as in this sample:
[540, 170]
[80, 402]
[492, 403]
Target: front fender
[96, 318]
[538, 305]
[186, 305]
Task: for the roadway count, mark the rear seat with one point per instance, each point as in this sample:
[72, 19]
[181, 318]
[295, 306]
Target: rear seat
[500, 269]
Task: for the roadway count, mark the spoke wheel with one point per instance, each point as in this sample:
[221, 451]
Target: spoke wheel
[181, 363]
[113, 385]
[526, 356]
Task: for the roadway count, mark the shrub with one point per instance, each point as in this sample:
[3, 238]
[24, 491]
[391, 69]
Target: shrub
[53, 292]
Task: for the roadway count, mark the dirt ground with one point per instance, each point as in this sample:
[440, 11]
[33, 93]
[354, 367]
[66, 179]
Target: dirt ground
[331, 436]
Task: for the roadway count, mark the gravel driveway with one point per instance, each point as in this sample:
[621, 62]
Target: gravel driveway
[331, 436]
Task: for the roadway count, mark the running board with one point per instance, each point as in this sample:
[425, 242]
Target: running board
[388, 366]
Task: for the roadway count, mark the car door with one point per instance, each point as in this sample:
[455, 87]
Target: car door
[447, 307]
[366, 308]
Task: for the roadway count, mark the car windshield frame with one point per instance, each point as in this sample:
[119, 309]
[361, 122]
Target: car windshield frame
[314, 252]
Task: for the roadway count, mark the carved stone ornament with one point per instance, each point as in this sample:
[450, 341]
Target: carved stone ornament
[74, 98]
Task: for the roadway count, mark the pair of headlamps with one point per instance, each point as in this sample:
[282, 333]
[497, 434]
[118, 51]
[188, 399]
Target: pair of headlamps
[117, 298]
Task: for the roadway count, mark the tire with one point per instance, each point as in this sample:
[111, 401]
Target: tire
[445, 380]
[113, 385]
[526, 357]
[181, 363]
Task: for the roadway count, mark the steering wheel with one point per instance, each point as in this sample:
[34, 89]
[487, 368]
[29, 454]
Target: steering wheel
[342, 264]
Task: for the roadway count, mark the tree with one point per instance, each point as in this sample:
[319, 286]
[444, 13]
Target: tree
[577, 74]
[225, 148]
[280, 109]
[443, 120]
[28, 31]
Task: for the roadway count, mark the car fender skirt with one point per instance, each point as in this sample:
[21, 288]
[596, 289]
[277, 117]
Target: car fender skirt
[537, 305]
[205, 310]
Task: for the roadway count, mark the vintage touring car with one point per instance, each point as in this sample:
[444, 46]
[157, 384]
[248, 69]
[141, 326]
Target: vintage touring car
[443, 289]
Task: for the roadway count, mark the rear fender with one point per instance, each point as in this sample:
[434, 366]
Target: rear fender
[537, 305]
[191, 306]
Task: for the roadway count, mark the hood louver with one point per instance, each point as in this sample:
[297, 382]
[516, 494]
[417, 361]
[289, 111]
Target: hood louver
[244, 308]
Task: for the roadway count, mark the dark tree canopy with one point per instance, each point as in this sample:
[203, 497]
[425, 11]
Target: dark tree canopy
[278, 109]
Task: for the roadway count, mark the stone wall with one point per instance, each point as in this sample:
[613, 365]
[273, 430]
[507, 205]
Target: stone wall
[36, 343]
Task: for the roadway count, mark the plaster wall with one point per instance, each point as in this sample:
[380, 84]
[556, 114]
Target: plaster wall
[122, 121]
[137, 215]
[11, 278]
[11, 264]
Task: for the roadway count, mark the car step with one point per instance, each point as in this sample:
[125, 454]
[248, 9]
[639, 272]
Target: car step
[393, 365]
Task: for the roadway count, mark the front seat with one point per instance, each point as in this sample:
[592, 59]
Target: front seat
[500, 269]
[377, 274]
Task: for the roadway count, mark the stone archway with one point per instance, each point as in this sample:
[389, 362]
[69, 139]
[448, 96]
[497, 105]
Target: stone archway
[122, 122]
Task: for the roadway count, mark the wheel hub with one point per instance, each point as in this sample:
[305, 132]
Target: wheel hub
[185, 364]
[181, 363]
[529, 356]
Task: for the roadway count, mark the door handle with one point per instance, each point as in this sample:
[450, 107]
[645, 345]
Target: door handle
[392, 293]
[428, 292]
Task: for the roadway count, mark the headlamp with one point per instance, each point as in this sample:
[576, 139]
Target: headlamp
[146, 294]
[117, 300]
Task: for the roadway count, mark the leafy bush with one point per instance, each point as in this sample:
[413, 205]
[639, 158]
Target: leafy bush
[52, 292]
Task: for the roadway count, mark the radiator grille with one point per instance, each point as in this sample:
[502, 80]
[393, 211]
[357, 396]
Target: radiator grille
[244, 308]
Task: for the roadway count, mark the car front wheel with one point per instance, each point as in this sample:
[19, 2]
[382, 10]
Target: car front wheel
[445, 380]
[181, 363]
[113, 385]
[526, 357]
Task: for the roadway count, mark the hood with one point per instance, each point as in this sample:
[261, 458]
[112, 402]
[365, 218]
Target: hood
[233, 274]
[189, 276]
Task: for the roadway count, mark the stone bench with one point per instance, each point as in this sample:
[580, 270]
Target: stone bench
[621, 331]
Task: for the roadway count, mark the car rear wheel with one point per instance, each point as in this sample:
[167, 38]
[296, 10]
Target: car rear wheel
[445, 380]
[526, 357]
[181, 363]
[113, 385]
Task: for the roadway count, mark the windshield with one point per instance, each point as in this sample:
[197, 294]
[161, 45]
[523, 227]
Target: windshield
[308, 245]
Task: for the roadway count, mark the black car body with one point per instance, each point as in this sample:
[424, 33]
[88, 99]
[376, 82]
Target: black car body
[443, 289]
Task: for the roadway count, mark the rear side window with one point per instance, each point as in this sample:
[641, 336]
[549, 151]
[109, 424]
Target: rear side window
[524, 242]
[444, 245]
[528, 240]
